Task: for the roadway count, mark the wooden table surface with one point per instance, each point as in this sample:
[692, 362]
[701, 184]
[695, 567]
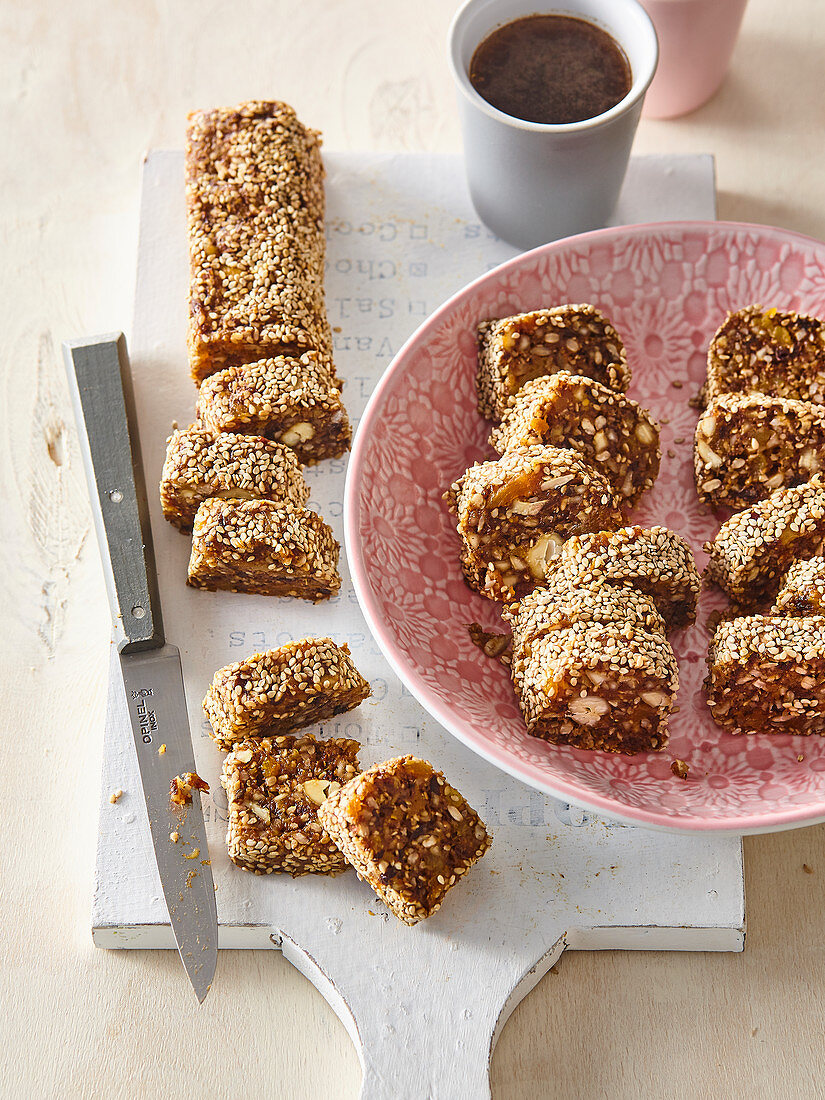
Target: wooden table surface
[86, 89]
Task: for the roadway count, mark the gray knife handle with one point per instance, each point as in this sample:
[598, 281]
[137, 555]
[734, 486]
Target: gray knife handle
[101, 386]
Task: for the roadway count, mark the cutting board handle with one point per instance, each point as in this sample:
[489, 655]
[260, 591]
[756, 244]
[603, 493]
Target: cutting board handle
[100, 382]
[417, 1040]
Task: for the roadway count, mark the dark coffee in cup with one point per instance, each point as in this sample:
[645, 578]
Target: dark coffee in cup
[550, 69]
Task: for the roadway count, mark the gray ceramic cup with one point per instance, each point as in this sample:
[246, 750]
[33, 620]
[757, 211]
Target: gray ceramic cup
[532, 182]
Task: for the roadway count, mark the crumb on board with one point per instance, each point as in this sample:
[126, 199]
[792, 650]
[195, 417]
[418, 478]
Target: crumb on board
[677, 385]
[193, 854]
[174, 837]
[181, 787]
[162, 750]
[800, 758]
[115, 795]
[807, 869]
[190, 878]
[680, 769]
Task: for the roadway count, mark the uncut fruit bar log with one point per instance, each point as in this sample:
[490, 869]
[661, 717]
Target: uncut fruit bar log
[514, 515]
[263, 547]
[407, 832]
[803, 590]
[767, 675]
[291, 400]
[200, 465]
[756, 547]
[255, 206]
[747, 445]
[769, 351]
[575, 338]
[283, 689]
[559, 606]
[617, 436]
[273, 789]
[655, 560]
[606, 687]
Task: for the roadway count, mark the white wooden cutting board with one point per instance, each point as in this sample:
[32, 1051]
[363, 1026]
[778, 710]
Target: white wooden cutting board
[423, 1005]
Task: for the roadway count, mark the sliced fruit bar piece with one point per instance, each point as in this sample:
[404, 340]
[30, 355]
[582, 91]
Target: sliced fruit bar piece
[294, 401]
[274, 788]
[200, 465]
[407, 832]
[283, 689]
[575, 338]
[755, 548]
[769, 351]
[605, 687]
[747, 445]
[767, 675]
[263, 547]
[610, 431]
[515, 513]
[654, 560]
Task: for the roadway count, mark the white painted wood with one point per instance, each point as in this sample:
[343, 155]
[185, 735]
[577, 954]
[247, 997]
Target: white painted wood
[423, 1005]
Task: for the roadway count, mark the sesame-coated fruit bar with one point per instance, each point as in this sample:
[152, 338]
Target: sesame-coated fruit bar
[263, 547]
[200, 465]
[574, 338]
[767, 675]
[559, 606]
[282, 690]
[654, 560]
[294, 401]
[609, 430]
[515, 513]
[255, 205]
[755, 548]
[407, 832]
[747, 445]
[803, 589]
[606, 687]
[768, 351]
[274, 788]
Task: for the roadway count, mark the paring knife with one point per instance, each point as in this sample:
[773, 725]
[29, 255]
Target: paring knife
[101, 386]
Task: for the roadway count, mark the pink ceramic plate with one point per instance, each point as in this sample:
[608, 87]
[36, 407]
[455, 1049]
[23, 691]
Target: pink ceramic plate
[666, 287]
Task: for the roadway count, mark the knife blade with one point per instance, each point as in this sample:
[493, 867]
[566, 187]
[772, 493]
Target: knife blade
[101, 387]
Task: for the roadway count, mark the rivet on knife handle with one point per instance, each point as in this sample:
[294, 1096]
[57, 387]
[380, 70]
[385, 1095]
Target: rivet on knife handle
[101, 387]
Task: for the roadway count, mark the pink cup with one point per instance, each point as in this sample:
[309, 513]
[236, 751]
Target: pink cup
[696, 40]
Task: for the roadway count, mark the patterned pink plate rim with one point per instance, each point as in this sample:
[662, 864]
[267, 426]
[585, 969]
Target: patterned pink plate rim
[667, 288]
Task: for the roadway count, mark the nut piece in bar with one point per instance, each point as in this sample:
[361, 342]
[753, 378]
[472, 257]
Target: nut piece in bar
[274, 788]
[255, 206]
[294, 401]
[654, 560]
[755, 548]
[263, 547]
[407, 832]
[802, 592]
[574, 338]
[560, 606]
[747, 445]
[200, 465]
[605, 687]
[768, 351]
[767, 675]
[515, 513]
[617, 436]
[283, 689]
